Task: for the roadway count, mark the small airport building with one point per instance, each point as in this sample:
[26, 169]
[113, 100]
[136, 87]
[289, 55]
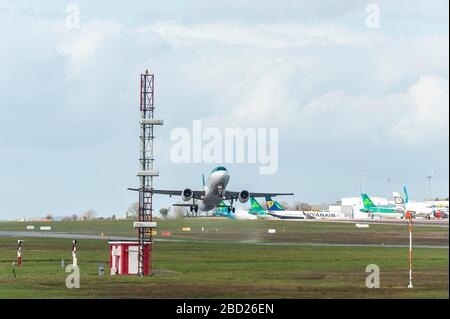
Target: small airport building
[123, 258]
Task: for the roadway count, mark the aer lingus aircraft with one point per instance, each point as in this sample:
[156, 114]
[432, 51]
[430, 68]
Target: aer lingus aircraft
[257, 210]
[240, 214]
[214, 191]
[384, 211]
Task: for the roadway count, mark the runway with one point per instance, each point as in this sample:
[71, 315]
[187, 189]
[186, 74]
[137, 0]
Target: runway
[24, 234]
[417, 222]
[7, 233]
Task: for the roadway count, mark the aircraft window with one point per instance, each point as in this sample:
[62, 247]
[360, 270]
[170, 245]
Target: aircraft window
[220, 168]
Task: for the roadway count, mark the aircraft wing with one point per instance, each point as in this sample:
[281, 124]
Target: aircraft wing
[171, 192]
[235, 195]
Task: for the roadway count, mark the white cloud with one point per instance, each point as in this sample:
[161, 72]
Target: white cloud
[417, 116]
[427, 118]
[325, 84]
[83, 45]
[273, 36]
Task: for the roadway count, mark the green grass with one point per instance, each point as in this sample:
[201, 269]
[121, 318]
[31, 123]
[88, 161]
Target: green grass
[217, 269]
[225, 229]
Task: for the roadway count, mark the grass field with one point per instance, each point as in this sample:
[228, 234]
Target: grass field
[214, 264]
[256, 231]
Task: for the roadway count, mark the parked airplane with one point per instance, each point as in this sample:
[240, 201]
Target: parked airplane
[419, 209]
[214, 191]
[257, 210]
[324, 215]
[384, 211]
[240, 214]
[276, 210]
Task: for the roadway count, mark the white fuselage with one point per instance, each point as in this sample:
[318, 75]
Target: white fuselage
[325, 215]
[214, 189]
[287, 214]
[421, 209]
[242, 214]
[386, 215]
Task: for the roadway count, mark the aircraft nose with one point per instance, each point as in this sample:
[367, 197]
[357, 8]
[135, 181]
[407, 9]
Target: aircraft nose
[224, 175]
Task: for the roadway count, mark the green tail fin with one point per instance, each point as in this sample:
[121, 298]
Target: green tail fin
[221, 207]
[255, 206]
[367, 201]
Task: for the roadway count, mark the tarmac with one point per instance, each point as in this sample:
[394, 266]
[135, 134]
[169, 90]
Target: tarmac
[25, 234]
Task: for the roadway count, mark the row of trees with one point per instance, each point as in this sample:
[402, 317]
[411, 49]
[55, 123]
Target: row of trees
[133, 210]
[89, 214]
[177, 211]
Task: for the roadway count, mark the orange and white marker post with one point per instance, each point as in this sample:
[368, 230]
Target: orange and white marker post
[409, 216]
[19, 253]
[74, 254]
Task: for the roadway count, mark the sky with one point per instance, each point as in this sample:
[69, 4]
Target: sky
[350, 89]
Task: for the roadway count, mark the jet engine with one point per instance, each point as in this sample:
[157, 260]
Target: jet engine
[187, 194]
[244, 196]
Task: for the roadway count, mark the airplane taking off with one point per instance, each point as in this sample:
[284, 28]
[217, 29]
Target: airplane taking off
[214, 191]
[385, 211]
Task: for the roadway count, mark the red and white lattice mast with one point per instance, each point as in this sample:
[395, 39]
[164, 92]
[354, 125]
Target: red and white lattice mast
[145, 224]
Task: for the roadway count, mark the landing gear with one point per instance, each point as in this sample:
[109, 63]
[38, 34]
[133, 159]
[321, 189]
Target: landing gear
[219, 191]
[194, 209]
[231, 209]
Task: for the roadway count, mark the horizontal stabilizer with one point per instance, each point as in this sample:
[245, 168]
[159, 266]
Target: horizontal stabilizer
[183, 205]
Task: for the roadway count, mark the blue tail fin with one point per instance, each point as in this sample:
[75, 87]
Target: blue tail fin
[203, 180]
[273, 205]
